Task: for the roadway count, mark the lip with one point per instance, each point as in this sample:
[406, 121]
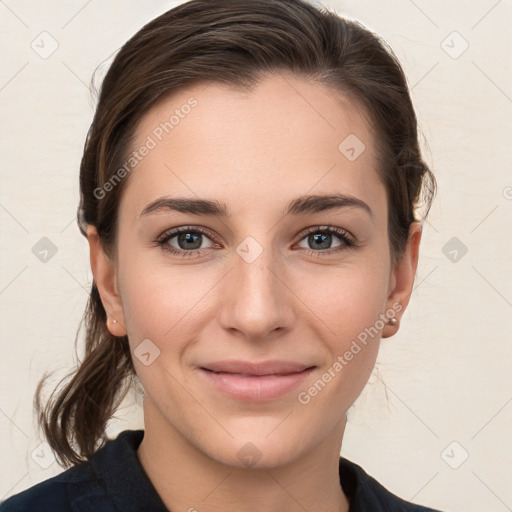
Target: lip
[252, 382]
[264, 368]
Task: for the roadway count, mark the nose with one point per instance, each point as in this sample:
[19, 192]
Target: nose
[256, 299]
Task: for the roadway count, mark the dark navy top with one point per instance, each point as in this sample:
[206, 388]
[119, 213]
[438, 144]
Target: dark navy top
[115, 481]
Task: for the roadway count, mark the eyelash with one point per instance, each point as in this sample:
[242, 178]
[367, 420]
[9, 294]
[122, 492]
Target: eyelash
[347, 239]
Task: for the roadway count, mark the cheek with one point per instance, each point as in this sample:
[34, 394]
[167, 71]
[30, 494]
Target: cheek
[160, 308]
[159, 301]
[346, 299]
[347, 304]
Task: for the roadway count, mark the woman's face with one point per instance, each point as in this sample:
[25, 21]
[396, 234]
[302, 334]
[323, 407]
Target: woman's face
[255, 285]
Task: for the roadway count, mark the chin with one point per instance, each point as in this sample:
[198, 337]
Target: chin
[258, 450]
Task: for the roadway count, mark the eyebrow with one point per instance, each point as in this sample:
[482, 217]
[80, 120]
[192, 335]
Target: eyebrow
[300, 206]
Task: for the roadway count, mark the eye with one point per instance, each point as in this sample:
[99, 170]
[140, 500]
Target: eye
[188, 240]
[322, 237]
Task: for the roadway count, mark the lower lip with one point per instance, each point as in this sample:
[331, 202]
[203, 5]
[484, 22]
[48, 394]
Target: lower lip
[255, 388]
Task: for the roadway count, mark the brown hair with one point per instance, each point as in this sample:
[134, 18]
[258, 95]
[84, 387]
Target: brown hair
[234, 42]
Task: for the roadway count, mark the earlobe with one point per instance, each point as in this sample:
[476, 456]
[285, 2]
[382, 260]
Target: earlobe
[115, 328]
[402, 279]
[104, 272]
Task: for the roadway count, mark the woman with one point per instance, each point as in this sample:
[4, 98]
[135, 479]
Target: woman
[230, 139]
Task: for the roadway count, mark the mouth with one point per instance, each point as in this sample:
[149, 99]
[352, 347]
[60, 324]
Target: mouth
[255, 382]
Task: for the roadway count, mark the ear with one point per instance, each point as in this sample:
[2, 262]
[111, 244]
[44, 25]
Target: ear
[104, 272]
[402, 278]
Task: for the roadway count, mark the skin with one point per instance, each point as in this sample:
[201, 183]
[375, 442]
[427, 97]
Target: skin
[256, 152]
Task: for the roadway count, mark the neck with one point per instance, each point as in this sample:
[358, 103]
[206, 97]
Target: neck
[188, 479]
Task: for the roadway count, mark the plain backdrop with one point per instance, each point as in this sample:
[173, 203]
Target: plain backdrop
[434, 424]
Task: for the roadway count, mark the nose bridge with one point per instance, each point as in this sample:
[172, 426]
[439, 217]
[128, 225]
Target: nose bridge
[255, 302]
[255, 266]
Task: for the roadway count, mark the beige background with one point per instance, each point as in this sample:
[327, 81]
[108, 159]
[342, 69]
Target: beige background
[442, 388]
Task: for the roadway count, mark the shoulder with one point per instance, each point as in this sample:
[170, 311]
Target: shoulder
[75, 489]
[366, 493]
[112, 480]
[49, 495]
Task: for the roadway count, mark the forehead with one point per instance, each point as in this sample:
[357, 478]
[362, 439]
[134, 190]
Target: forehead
[287, 137]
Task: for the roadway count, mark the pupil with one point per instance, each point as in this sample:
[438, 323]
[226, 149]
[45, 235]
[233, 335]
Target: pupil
[188, 239]
[318, 237]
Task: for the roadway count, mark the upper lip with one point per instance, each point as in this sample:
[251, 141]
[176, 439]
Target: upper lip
[264, 368]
